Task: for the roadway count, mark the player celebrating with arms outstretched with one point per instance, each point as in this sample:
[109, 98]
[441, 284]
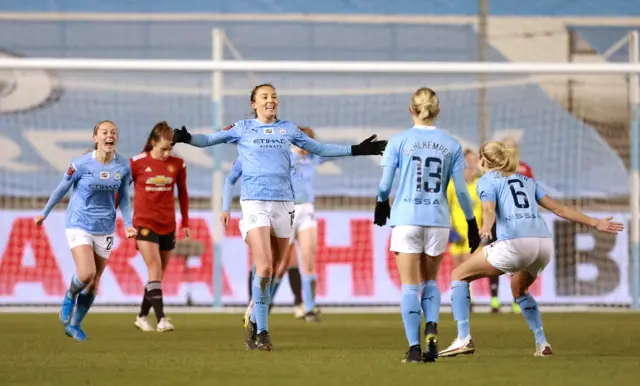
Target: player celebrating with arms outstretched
[96, 177]
[155, 172]
[267, 198]
[524, 245]
[427, 158]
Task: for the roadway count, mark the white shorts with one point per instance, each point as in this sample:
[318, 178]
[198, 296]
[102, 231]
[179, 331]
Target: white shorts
[418, 239]
[531, 254]
[278, 215]
[305, 219]
[102, 244]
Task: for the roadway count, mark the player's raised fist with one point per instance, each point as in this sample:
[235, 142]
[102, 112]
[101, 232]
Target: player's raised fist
[181, 136]
[369, 147]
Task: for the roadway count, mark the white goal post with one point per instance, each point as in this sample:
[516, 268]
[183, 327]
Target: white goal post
[218, 66]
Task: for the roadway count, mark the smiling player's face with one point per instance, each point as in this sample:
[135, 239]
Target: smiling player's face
[266, 103]
[106, 137]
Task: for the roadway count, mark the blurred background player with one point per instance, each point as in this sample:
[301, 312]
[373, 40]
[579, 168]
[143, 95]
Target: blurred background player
[233, 176]
[267, 195]
[524, 245]
[155, 172]
[459, 245]
[305, 226]
[525, 170]
[96, 177]
[427, 158]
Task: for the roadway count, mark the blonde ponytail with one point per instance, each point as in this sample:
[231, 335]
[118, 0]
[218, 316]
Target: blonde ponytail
[425, 104]
[502, 157]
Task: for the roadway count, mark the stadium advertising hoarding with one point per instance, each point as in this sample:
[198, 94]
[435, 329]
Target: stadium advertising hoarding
[354, 265]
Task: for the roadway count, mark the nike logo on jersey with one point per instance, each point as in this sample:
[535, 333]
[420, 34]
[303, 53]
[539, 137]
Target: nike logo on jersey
[148, 169]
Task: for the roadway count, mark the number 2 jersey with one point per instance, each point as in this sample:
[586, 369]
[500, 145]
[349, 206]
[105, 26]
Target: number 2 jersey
[517, 210]
[426, 157]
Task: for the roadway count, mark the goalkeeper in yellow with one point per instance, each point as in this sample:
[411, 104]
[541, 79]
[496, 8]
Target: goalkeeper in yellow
[459, 245]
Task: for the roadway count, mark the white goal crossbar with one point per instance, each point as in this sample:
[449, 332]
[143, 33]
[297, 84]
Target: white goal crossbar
[469, 68]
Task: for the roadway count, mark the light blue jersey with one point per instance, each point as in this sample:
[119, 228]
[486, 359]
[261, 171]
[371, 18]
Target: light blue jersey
[265, 155]
[427, 158]
[92, 206]
[516, 199]
[305, 172]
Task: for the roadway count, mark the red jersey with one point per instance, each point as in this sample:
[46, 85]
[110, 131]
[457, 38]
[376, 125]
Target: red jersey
[154, 198]
[525, 169]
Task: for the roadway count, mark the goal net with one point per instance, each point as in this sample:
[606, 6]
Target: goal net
[47, 115]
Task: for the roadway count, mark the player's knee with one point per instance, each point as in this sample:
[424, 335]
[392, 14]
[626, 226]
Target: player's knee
[264, 270]
[86, 274]
[155, 271]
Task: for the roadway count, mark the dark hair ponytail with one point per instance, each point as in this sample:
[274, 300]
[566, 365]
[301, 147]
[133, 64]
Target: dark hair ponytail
[160, 130]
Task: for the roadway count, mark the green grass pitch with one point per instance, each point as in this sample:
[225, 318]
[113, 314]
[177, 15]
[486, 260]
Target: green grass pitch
[363, 350]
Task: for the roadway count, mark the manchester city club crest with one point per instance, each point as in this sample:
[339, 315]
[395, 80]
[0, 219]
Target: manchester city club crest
[283, 130]
[252, 219]
[116, 176]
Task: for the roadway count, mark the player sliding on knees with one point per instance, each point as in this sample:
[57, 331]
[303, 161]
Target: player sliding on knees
[96, 178]
[427, 158]
[523, 247]
[155, 173]
[267, 195]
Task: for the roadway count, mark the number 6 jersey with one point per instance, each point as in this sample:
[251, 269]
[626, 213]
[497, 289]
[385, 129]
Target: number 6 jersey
[516, 198]
[426, 158]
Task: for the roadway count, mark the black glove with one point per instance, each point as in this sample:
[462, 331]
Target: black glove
[181, 135]
[369, 147]
[473, 235]
[382, 212]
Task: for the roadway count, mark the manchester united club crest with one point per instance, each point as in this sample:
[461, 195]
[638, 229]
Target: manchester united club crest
[171, 169]
[144, 232]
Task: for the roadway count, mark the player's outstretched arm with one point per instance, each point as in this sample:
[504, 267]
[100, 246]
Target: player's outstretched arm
[124, 202]
[571, 214]
[367, 147]
[58, 193]
[467, 207]
[229, 134]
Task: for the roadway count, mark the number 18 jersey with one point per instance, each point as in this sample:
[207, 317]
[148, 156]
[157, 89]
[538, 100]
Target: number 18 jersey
[426, 157]
[516, 198]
